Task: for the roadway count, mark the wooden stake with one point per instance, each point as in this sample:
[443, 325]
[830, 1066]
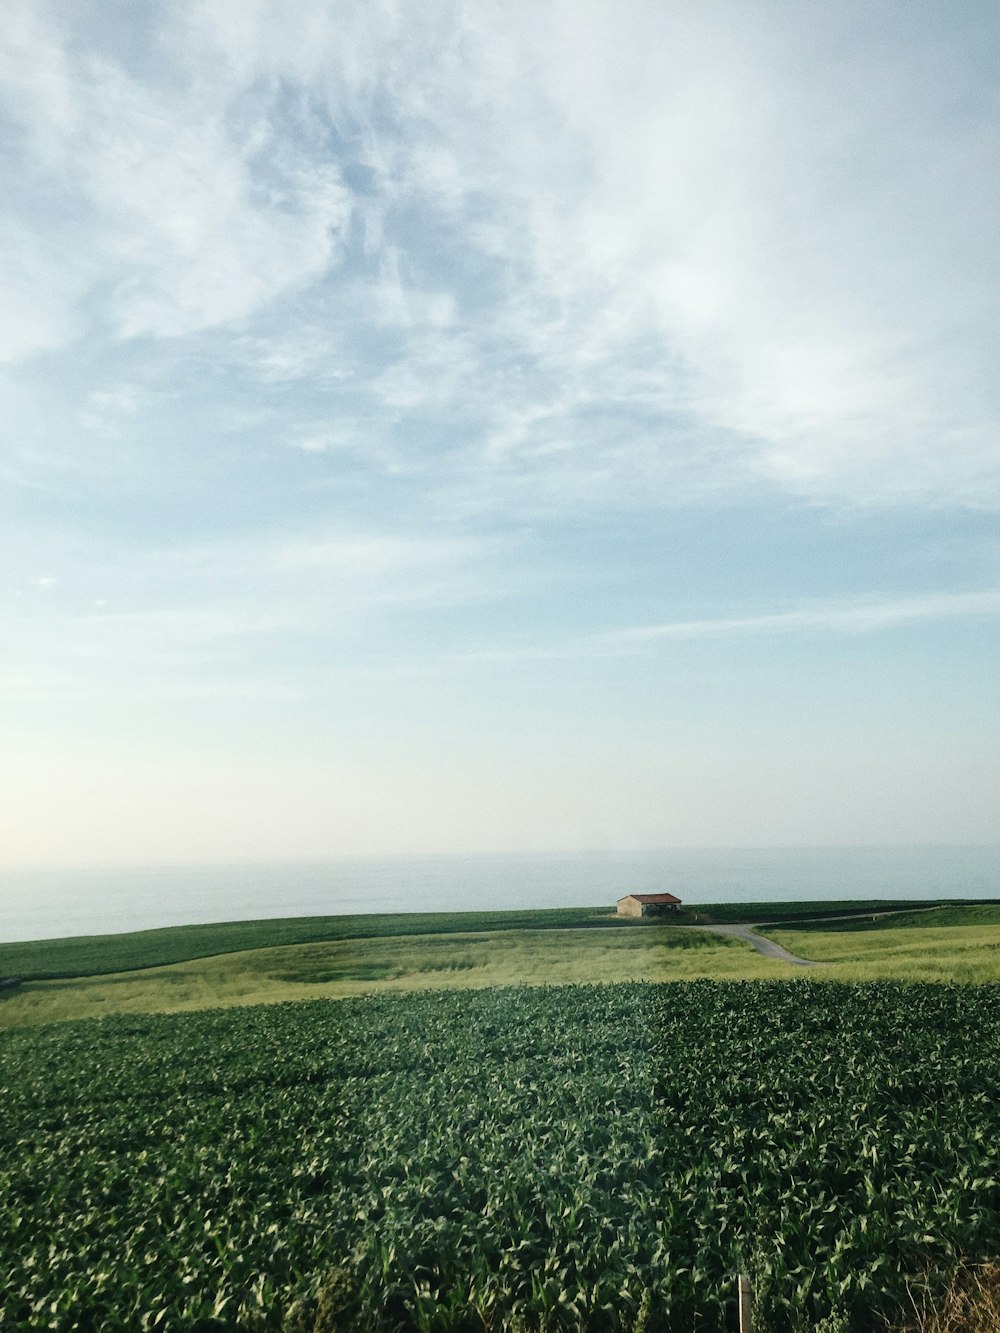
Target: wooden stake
[746, 1316]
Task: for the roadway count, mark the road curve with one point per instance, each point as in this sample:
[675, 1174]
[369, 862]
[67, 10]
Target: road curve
[765, 946]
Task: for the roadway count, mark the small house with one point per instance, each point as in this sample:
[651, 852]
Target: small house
[647, 904]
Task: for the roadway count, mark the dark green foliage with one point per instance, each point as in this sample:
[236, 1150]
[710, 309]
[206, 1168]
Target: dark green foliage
[935, 917]
[572, 1158]
[810, 912]
[96, 955]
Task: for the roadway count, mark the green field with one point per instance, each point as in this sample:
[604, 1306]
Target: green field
[926, 951]
[344, 968]
[333, 957]
[809, 910]
[90, 955]
[512, 1128]
[869, 918]
[507, 1159]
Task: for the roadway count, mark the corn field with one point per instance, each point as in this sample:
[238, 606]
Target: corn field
[524, 1159]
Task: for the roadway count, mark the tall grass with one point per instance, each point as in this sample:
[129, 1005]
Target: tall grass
[341, 968]
[970, 1304]
[969, 954]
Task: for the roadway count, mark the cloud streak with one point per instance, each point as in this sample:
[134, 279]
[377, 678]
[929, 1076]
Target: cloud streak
[194, 619]
[859, 617]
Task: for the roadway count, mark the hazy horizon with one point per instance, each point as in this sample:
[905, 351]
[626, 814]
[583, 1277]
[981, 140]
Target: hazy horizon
[59, 902]
[54, 868]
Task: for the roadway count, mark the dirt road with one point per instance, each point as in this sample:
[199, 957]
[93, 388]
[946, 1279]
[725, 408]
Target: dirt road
[767, 947]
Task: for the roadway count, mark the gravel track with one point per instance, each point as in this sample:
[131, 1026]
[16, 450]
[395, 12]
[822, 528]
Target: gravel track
[764, 946]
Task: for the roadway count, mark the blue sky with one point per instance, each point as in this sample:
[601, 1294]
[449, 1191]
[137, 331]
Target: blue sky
[456, 427]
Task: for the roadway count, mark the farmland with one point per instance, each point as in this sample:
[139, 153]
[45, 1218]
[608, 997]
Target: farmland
[91, 955]
[534, 1158]
[342, 968]
[176, 970]
[468, 1141]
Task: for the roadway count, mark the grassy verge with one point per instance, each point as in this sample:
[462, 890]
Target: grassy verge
[970, 1303]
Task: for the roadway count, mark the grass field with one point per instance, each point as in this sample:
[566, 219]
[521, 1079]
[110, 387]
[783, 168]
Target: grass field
[807, 910]
[923, 918]
[957, 943]
[90, 955]
[959, 947]
[341, 968]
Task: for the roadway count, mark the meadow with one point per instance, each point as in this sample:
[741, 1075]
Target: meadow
[90, 955]
[339, 957]
[943, 944]
[338, 969]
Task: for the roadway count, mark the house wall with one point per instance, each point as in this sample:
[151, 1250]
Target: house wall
[632, 907]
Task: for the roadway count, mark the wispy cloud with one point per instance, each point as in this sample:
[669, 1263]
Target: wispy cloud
[859, 617]
[349, 349]
[846, 346]
[660, 288]
[188, 206]
[868, 616]
[193, 617]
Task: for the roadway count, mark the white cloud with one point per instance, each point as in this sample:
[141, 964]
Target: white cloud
[859, 616]
[758, 240]
[192, 204]
[299, 299]
[791, 253]
[35, 315]
[856, 617]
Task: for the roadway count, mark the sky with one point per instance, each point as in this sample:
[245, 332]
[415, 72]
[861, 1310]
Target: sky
[460, 427]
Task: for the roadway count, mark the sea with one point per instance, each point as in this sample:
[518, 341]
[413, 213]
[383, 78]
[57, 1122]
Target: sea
[56, 903]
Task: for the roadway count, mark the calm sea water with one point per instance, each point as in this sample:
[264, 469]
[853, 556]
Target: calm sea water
[53, 903]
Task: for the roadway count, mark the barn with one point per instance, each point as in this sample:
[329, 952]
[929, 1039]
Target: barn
[647, 904]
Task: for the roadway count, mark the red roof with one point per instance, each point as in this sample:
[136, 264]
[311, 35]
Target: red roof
[651, 897]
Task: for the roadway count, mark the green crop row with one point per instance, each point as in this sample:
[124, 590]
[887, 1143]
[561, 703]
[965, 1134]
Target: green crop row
[571, 1158]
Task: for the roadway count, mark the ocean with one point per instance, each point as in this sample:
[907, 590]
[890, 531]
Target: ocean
[48, 904]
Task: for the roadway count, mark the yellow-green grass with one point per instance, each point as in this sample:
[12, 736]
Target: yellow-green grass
[917, 951]
[88, 955]
[341, 968]
[959, 953]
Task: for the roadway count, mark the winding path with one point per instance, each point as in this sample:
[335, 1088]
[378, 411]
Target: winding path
[765, 946]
